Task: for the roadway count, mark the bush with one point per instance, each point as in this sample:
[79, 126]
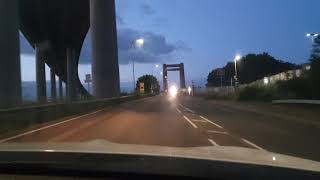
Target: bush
[257, 93]
[315, 78]
[297, 88]
[220, 97]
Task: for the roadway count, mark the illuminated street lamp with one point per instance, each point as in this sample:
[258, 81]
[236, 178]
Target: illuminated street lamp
[139, 44]
[236, 58]
[189, 90]
[312, 34]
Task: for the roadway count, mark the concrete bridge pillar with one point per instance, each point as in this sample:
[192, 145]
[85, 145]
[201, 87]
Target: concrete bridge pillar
[40, 76]
[60, 89]
[182, 77]
[165, 77]
[53, 85]
[105, 66]
[71, 84]
[10, 72]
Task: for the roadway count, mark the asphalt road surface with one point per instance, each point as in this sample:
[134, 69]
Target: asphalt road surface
[183, 122]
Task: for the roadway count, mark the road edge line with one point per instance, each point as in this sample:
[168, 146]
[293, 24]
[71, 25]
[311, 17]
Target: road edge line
[213, 142]
[252, 144]
[46, 127]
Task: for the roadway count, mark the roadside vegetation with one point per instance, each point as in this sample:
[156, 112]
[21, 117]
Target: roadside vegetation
[254, 67]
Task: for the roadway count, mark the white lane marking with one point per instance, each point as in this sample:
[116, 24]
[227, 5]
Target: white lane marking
[46, 127]
[217, 132]
[178, 110]
[186, 118]
[252, 144]
[180, 105]
[212, 142]
[211, 122]
[189, 110]
[199, 120]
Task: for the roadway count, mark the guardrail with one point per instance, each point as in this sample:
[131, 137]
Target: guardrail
[15, 119]
[296, 101]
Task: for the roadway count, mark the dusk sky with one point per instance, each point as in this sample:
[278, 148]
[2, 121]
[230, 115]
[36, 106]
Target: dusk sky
[204, 34]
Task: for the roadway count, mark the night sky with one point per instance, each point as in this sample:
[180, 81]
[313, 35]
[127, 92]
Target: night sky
[204, 34]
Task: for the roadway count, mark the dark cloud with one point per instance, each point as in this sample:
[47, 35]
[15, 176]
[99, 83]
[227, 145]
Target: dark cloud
[155, 49]
[147, 9]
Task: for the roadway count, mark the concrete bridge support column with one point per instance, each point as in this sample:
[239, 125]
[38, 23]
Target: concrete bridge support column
[60, 89]
[165, 77]
[10, 72]
[53, 85]
[40, 76]
[182, 77]
[105, 66]
[71, 84]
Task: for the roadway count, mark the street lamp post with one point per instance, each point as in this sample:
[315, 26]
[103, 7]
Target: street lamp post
[237, 58]
[157, 66]
[137, 43]
[312, 34]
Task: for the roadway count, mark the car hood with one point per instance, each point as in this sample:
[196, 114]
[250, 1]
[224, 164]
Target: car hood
[214, 153]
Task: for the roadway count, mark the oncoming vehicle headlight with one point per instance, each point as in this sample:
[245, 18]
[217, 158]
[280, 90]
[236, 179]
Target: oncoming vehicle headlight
[173, 91]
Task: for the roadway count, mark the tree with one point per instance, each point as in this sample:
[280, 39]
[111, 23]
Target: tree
[315, 68]
[149, 80]
[215, 78]
[253, 67]
[250, 68]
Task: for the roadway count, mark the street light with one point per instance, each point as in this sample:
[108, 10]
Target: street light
[312, 34]
[236, 58]
[157, 66]
[137, 43]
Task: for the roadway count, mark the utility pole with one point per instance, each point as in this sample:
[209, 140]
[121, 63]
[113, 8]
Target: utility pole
[192, 84]
[133, 77]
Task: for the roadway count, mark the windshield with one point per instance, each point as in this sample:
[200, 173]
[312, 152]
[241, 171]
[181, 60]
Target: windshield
[162, 73]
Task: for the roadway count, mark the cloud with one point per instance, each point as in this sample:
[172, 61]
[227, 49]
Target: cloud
[156, 48]
[147, 9]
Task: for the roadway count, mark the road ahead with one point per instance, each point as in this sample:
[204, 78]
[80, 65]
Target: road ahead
[188, 122]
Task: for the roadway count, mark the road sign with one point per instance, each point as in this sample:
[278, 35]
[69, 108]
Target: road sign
[88, 78]
[141, 87]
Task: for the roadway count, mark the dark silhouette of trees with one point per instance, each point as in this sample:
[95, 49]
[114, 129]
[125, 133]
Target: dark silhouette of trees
[149, 80]
[315, 68]
[250, 68]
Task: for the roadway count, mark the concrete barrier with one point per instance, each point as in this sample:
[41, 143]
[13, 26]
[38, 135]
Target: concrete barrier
[15, 119]
[296, 101]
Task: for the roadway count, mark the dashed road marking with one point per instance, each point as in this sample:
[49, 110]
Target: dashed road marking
[211, 122]
[252, 144]
[199, 120]
[46, 127]
[178, 110]
[186, 118]
[189, 110]
[217, 132]
[212, 142]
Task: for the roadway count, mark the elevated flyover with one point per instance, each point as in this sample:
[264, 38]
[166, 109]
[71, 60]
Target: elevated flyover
[56, 29]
